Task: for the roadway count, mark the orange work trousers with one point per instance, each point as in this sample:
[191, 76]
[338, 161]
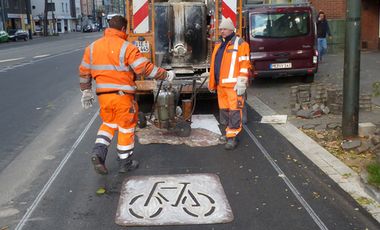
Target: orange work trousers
[119, 113]
[230, 108]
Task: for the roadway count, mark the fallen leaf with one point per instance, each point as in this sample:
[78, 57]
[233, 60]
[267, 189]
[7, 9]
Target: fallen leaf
[101, 191]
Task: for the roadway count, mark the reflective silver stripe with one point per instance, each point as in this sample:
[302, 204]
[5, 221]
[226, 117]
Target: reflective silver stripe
[119, 68]
[115, 86]
[138, 62]
[154, 72]
[125, 147]
[122, 130]
[243, 58]
[233, 59]
[243, 70]
[125, 155]
[91, 52]
[229, 80]
[85, 64]
[102, 141]
[114, 126]
[105, 133]
[123, 50]
[110, 67]
[84, 80]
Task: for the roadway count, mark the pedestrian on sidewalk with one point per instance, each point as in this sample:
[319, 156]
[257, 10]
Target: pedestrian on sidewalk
[323, 31]
[113, 62]
[229, 72]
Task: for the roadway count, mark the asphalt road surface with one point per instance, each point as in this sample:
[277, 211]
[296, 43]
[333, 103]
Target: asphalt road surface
[47, 181]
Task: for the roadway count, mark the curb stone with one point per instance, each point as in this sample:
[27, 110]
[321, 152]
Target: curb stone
[327, 162]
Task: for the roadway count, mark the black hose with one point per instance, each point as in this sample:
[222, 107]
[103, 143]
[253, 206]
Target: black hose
[155, 100]
[194, 96]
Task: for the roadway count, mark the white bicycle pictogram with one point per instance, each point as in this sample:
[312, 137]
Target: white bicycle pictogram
[195, 204]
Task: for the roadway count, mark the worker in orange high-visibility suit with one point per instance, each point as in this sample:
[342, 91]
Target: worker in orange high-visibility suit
[229, 72]
[113, 62]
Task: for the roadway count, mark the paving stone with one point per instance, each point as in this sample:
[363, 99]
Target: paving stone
[304, 94]
[333, 126]
[304, 87]
[317, 113]
[366, 129]
[377, 132]
[326, 110]
[309, 126]
[315, 107]
[363, 147]
[375, 148]
[351, 144]
[321, 127]
[375, 139]
[305, 113]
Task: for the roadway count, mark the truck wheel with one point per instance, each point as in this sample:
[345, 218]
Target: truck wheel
[309, 78]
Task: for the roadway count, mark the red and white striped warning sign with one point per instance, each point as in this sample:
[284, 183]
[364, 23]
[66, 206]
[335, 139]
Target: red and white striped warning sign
[140, 16]
[229, 9]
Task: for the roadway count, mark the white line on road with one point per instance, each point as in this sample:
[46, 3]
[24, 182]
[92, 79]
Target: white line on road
[46, 187]
[38, 60]
[41, 56]
[294, 190]
[13, 59]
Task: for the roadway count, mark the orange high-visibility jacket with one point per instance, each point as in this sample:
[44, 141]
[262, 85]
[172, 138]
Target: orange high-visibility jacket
[112, 62]
[235, 63]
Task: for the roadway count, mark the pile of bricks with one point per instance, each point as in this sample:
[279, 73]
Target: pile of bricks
[335, 100]
[365, 102]
[308, 102]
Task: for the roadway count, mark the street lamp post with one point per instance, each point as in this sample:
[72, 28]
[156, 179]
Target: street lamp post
[93, 11]
[351, 79]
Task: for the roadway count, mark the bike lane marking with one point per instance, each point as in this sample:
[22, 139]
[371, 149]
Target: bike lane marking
[290, 185]
[180, 199]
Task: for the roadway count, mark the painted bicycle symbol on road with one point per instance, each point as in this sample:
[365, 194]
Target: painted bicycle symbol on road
[194, 204]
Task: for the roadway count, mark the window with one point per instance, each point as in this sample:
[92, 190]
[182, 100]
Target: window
[279, 25]
[63, 9]
[67, 9]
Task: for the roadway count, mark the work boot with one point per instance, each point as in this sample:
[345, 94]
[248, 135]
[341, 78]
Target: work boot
[126, 165]
[223, 139]
[99, 165]
[231, 143]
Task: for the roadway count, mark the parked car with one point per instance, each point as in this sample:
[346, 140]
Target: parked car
[38, 30]
[282, 39]
[18, 34]
[87, 28]
[4, 37]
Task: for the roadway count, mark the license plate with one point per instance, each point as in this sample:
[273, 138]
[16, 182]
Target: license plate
[281, 65]
[143, 46]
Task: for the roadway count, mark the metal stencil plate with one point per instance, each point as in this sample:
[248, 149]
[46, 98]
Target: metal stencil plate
[173, 200]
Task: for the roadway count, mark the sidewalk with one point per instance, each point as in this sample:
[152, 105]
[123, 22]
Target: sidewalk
[275, 94]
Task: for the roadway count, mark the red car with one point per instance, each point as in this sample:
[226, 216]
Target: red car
[282, 40]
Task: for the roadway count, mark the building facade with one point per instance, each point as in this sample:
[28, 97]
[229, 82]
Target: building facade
[370, 21]
[63, 18]
[13, 14]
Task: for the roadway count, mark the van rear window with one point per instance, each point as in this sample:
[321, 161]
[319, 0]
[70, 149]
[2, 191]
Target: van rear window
[279, 25]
